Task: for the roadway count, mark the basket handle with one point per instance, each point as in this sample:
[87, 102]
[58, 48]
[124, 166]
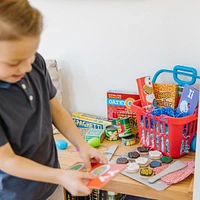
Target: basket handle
[180, 70]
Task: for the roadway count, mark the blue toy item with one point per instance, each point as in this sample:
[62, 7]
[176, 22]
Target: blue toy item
[61, 144]
[180, 70]
[193, 143]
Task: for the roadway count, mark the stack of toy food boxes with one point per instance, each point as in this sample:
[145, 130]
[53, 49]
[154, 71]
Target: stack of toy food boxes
[119, 104]
[90, 125]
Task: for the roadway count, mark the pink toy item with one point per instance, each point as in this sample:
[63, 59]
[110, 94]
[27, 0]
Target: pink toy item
[177, 176]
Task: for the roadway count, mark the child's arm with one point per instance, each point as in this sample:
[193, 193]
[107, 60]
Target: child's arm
[27, 169]
[64, 123]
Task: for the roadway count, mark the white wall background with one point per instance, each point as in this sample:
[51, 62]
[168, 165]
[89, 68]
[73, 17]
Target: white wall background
[107, 44]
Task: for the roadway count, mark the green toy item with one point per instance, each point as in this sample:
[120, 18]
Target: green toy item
[94, 142]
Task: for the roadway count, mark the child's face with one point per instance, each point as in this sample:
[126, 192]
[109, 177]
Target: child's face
[16, 57]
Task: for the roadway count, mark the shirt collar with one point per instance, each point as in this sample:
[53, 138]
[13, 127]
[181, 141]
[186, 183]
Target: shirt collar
[4, 84]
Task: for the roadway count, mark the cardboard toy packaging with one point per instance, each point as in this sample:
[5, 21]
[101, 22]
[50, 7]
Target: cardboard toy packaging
[95, 133]
[83, 120]
[166, 94]
[119, 106]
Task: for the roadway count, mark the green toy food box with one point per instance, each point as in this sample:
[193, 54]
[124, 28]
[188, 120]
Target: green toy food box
[95, 133]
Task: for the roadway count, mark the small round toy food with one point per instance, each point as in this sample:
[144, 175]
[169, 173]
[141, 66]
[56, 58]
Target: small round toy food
[122, 160]
[155, 163]
[133, 154]
[132, 168]
[94, 142]
[146, 172]
[166, 159]
[155, 155]
[142, 162]
[143, 150]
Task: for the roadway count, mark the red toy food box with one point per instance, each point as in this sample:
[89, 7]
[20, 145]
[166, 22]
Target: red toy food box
[119, 103]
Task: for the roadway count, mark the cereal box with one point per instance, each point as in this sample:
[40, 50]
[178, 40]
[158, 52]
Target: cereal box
[166, 94]
[119, 103]
[83, 120]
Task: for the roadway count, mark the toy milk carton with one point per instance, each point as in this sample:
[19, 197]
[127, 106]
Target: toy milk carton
[119, 104]
[95, 133]
[83, 120]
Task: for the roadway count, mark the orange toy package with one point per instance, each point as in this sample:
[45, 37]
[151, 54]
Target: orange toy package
[166, 94]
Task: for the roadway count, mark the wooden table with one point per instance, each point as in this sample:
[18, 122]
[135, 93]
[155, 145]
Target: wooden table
[125, 185]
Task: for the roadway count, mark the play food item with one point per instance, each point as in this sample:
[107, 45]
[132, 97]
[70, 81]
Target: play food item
[132, 168]
[129, 140]
[142, 161]
[146, 172]
[155, 163]
[112, 132]
[155, 155]
[94, 142]
[166, 159]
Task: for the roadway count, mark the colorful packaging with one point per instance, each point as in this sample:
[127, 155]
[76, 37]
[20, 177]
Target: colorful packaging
[145, 90]
[83, 120]
[129, 140]
[124, 128]
[112, 133]
[166, 94]
[95, 133]
[189, 100]
[119, 104]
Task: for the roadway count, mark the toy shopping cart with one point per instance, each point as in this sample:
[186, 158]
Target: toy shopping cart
[172, 136]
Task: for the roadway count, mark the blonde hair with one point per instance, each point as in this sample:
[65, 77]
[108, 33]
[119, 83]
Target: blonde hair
[18, 19]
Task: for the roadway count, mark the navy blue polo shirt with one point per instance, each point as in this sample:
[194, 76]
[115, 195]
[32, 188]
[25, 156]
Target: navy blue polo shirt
[26, 123]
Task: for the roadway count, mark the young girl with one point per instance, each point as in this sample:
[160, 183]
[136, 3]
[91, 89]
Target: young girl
[28, 106]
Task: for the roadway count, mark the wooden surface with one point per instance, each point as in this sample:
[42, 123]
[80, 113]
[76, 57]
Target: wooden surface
[125, 185]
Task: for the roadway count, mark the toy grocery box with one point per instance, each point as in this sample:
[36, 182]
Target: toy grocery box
[95, 133]
[119, 104]
[83, 120]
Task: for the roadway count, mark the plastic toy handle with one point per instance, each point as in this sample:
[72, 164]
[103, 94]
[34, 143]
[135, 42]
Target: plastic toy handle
[180, 70]
[158, 73]
[186, 71]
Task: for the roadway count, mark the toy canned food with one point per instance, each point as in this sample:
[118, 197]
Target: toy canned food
[129, 140]
[145, 89]
[124, 127]
[111, 133]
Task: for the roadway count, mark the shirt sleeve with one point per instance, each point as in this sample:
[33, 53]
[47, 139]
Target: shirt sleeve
[3, 138]
[50, 86]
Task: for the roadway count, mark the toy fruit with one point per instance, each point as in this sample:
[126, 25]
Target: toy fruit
[94, 142]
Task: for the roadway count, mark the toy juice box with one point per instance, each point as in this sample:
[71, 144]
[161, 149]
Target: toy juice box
[166, 94]
[83, 120]
[95, 133]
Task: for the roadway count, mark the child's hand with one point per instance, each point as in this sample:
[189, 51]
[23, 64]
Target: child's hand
[75, 182]
[90, 154]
